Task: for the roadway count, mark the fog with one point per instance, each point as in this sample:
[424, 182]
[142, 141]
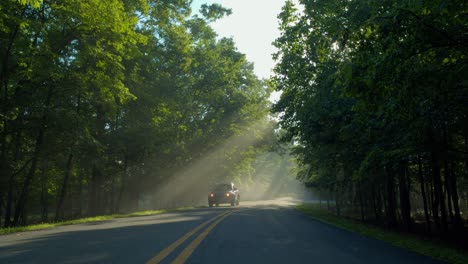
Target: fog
[270, 176]
[275, 177]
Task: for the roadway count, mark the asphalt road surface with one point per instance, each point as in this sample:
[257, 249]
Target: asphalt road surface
[255, 232]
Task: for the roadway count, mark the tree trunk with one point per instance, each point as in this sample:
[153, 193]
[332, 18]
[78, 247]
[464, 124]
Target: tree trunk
[93, 206]
[320, 197]
[4, 175]
[112, 198]
[383, 202]
[21, 205]
[434, 202]
[1, 207]
[446, 168]
[4, 84]
[44, 201]
[450, 180]
[423, 193]
[405, 205]
[59, 210]
[361, 202]
[23, 220]
[377, 206]
[448, 191]
[337, 200]
[9, 204]
[466, 148]
[95, 201]
[122, 184]
[17, 139]
[453, 184]
[439, 196]
[391, 203]
[80, 195]
[4, 77]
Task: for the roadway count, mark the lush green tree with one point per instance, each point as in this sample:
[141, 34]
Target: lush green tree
[371, 95]
[102, 102]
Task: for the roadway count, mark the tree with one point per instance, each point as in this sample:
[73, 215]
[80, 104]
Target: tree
[103, 102]
[369, 88]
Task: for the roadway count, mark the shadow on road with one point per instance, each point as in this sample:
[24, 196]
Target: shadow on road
[124, 240]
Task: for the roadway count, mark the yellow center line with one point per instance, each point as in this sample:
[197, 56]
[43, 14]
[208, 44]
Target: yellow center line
[187, 252]
[165, 252]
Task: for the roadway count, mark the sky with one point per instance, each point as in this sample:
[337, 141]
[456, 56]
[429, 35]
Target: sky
[253, 25]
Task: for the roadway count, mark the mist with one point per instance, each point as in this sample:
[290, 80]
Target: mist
[269, 175]
[274, 178]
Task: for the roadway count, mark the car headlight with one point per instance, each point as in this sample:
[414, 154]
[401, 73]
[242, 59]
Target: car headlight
[227, 194]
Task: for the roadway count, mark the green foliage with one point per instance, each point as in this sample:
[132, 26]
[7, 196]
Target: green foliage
[214, 11]
[33, 3]
[103, 101]
[371, 88]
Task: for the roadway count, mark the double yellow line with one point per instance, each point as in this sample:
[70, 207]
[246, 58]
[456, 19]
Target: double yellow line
[185, 254]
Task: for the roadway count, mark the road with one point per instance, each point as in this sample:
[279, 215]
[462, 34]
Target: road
[255, 232]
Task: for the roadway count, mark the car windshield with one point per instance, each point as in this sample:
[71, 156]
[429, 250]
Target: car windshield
[222, 187]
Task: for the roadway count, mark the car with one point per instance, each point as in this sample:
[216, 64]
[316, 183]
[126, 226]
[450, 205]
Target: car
[223, 193]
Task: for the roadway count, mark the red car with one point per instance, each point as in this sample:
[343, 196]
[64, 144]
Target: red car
[224, 193]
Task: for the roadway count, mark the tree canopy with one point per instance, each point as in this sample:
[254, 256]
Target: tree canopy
[101, 101]
[375, 101]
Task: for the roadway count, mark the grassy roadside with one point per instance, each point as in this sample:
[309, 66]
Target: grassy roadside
[9, 230]
[413, 243]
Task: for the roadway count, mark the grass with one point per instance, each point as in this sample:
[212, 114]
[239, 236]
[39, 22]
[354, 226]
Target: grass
[9, 230]
[410, 242]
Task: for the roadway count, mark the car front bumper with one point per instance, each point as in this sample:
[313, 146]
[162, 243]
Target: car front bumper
[217, 199]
